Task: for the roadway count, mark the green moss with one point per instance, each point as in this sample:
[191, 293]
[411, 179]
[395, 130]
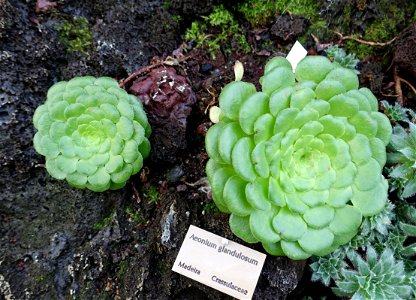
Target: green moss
[395, 18]
[167, 5]
[104, 222]
[210, 207]
[218, 31]
[259, 12]
[76, 34]
[262, 12]
[151, 194]
[177, 18]
[318, 28]
[135, 216]
[381, 30]
[122, 270]
[305, 8]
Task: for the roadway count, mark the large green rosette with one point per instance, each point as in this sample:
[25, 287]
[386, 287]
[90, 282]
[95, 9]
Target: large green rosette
[298, 164]
[92, 133]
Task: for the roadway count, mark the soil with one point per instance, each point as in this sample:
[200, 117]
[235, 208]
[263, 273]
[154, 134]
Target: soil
[58, 242]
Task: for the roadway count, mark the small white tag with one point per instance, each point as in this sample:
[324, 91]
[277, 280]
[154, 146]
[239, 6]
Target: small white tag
[219, 263]
[296, 54]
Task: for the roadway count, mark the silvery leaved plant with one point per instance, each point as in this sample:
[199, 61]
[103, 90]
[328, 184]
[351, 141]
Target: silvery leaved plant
[298, 164]
[92, 133]
[340, 57]
[374, 276]
[401, 158]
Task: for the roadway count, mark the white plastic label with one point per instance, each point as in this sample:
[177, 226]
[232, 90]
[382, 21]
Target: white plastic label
[219, 263]
[296, 54]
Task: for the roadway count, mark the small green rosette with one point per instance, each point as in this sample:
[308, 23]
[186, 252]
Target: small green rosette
[92, 133]
[298, 164]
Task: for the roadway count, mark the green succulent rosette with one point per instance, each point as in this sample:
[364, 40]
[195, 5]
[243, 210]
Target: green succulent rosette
[298, 164]
[92, 133]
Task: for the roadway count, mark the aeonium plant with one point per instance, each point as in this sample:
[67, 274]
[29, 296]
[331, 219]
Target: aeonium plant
[298, 164]
[92, 133]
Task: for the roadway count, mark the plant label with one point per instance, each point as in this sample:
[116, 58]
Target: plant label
[219, 263]
[296, 54]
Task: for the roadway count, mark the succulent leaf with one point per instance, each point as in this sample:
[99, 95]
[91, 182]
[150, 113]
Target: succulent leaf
[91, 133]
[299, 164]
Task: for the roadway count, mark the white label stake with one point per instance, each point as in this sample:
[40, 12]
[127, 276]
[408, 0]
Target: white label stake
[221, 264]
[296, 54]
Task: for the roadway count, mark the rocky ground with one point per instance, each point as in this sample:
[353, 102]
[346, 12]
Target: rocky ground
[58, 242]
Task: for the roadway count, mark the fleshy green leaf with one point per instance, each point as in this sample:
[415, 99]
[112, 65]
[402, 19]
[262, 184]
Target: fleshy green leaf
[372, 100]
[240, 226]
[77, 179]
[293, 250]
[67, 164]
[106, 82]
[338, 197]
[130, 151]
[364, 123]
[372, 201]
[313, 197]
[285, 119]
[232, 96]
[110, 112]
[218, 181]
[384, 131]
[74, 110]
[123, 175]
[125, 128]
[345, 176]
[257, 194]
[241, 159]
[228, 137]
[235, 197]
[263, 128]
[300, 98]
[137, 164]
[313, 68]
[53, 169]
[273, 249]
[276, 195]
[332, 125]
[258, 156]
[289, 225]
[346, 219]
[360, 149]
[343, 106]
[276, 62]
[368, 175]
[327, 89]
[86, 167]
[125, 109]
[145, 148]
[315, 241]
[114, 164]
[319, 216]
[346, 76]
[277, 78]
[251, 109]
[100, 178]
[279, 100]
[212, 140]
[261, 226]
